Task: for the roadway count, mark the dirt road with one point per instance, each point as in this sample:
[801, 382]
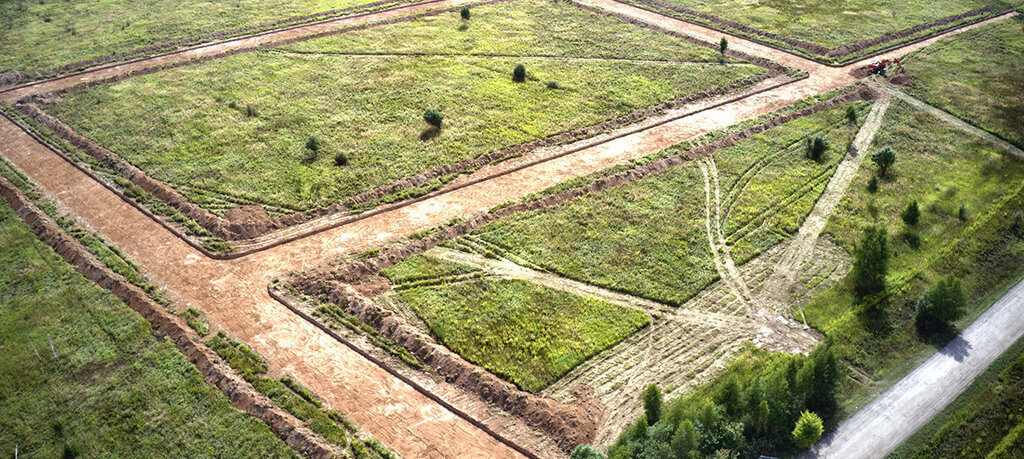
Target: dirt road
[905, 407]
[233, 293]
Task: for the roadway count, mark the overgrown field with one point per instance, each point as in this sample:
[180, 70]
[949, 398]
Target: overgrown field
[112, 389]
[986, 420]
[41, 35]
[526, 333]
[826, 23]
[235, 130]
[649, 238]
[976, 76]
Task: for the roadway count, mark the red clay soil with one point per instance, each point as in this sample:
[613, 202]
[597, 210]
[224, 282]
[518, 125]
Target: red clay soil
[233, 293]
[214, 370]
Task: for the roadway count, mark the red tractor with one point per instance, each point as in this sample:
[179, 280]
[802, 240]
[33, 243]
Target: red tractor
[878, 67]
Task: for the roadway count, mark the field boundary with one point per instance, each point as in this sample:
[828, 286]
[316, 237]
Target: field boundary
[845, 57]
[185, 44]
[384, 366]
[214, 370]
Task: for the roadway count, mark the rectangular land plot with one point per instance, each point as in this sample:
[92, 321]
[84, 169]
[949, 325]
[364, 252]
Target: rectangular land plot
[191, 127]
[43, 35]
[649, 238]
[976, 76]
[526, 333]
[824, 25]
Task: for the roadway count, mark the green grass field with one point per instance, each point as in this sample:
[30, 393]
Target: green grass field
[767, 187]
[976, 76]
[41, 35]
[826, 23]
[526, 333]
[986, 420]
[116, 390]
[189, 127]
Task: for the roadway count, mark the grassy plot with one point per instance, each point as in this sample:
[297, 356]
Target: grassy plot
[115, 390]
[649, 238]
[940, 167]
[40, 35]
[234, 130]
[524, 332]
[986, 420]
[826, 23]
[976, 76]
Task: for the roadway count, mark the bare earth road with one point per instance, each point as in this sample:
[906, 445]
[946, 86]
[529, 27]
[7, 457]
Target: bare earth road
[233, 293]
[892, 417]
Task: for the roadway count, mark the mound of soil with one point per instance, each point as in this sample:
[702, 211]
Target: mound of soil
[902, 79]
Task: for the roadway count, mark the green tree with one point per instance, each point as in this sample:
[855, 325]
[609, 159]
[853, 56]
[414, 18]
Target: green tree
[686, 439]
[313, 144]
[873, 184]
[1017, 225]
[816, 147]
[519, 73]
[584, 451]
[851, 114]
[962, 213]
[465, 13]
[433, 117]
[723, 44]
[884, 159]
[911, 214]
[808, 430]
[940, 304]
[871, 261]
[730, 397]
[652, 404]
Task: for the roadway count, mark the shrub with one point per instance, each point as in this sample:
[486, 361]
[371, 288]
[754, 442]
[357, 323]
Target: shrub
[884, 159]
[816, 147]
[1017, 227]
[340, 159]
[465, 13]
[553, 85]
[808, 430]
[313, 144]
[941, 304]
[250, 111]
[583, 451]
[723, 44]
[433, 118]
[871, 261]
[851, 114]
[652, 403]
[873, 184]
[962, 213]
[519, 74]
[912, 238]
[911, 214]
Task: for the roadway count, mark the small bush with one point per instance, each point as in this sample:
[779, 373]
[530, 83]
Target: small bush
[911, 214]
[464, 13]
[313, 144]
[816, 147]
[962, 213]
[873, 184]
[433, 118]
[553, 85]
[233, 105]
[1017, 227]
[871, 261]
[912, 239]
[340, 159]
[723, 44]
[884, 159]
[652, 404]
[851, 114]
[519, 74]
[941, 304]
[250, 111]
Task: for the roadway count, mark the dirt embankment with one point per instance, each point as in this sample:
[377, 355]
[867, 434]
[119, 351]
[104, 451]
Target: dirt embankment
[838, 52]
[353, 273]
[13, 77]
[216, 373]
